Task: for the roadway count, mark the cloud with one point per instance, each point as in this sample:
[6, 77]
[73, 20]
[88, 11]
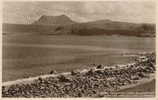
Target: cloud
[27, 12]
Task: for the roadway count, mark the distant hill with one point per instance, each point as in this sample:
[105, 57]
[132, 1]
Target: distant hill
[108, 27]
[54, 20]
[59, 25]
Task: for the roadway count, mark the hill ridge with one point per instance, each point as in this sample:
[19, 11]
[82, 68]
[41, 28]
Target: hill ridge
[53, 20]
[62, 24]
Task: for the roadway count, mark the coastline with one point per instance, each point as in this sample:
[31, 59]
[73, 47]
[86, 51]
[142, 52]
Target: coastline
[108, 79]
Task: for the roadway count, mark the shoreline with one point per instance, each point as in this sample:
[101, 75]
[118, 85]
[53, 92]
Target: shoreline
[31, 79]
[98, 81]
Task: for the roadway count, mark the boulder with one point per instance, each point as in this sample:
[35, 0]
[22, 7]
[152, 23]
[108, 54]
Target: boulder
[99, 67]
[53, 72]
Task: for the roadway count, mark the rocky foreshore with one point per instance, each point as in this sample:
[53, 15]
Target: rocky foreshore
[99, 81]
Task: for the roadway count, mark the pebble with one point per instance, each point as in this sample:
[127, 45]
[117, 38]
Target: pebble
[91, 84]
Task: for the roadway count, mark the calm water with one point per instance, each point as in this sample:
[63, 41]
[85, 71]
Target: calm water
[25, 56]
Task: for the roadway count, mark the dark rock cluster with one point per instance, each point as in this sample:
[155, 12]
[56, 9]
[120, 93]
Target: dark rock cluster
[88, 84]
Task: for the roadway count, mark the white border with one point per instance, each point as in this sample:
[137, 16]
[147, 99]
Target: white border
[156, 98]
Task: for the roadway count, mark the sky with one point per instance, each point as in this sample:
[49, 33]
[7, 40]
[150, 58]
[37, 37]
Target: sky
[28, 12]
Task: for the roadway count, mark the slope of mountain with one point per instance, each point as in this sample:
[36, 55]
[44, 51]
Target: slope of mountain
[54, 20]
[108, 27]
[64, 25]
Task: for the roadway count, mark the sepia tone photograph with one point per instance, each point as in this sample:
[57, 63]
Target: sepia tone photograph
[78, 49]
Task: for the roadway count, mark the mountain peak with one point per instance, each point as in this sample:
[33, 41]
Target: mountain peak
[54, 20]
[47, 16]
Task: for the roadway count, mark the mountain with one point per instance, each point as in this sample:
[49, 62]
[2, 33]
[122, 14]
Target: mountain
[59, 25]
[54, 20]
[109, 27]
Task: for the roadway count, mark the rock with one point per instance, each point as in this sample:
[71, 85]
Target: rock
[79, 94]
[90, 72]
[141, 74]
[90, 84]
[40, 80]
[62, 78]
[99, 71]
[135, 78]
[53, 72]
[74, 72]
[99, 67]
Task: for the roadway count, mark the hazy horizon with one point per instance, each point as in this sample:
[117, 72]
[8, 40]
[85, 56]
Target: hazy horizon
[28, 12]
